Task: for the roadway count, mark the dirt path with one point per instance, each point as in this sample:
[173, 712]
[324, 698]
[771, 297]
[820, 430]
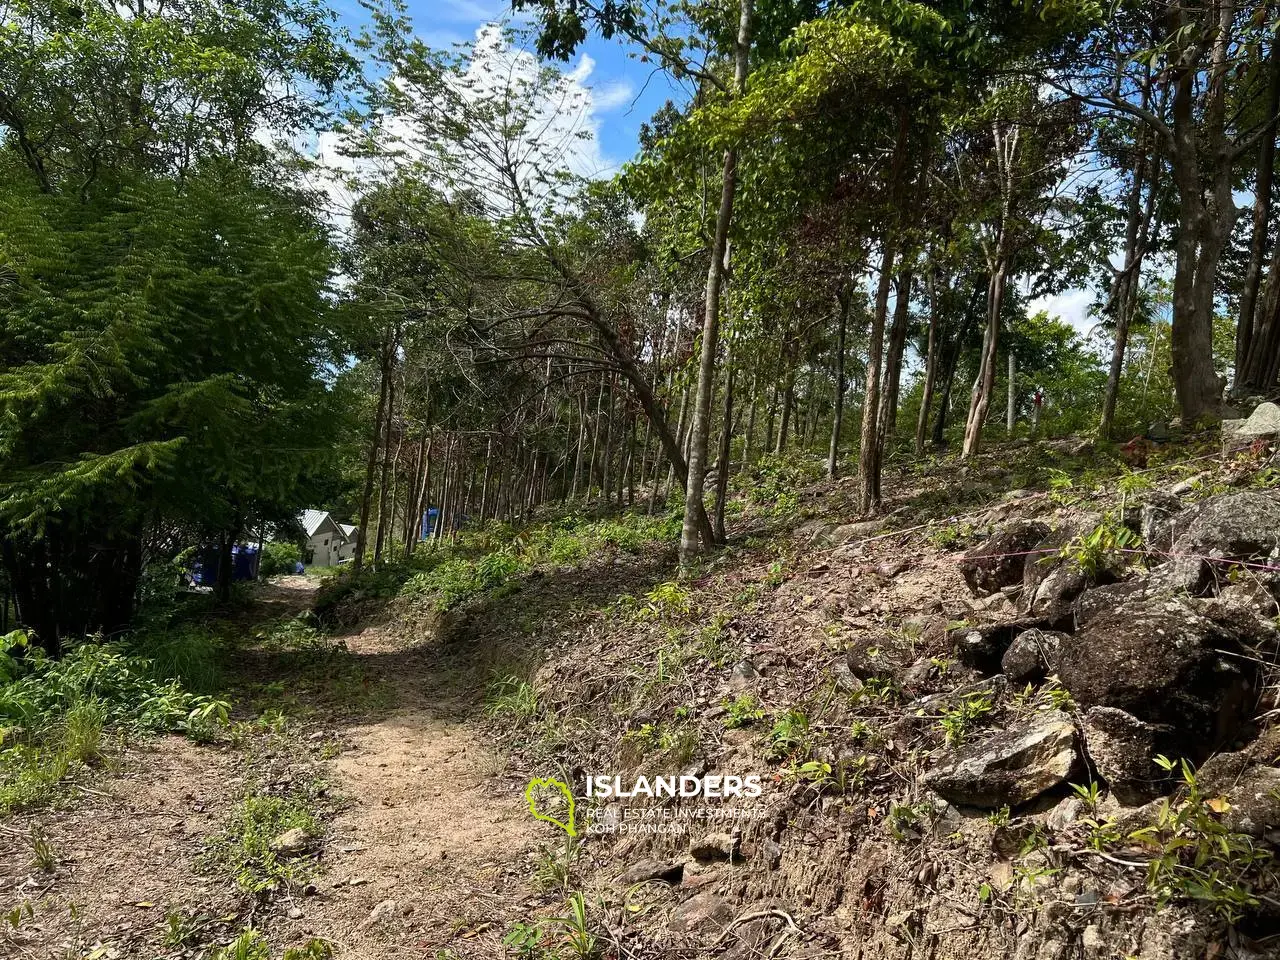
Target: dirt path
[429, 854]
[426, 854]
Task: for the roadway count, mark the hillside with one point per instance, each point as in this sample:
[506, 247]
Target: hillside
[1025, 714]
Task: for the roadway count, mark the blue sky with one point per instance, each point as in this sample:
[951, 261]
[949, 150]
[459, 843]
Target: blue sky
[625, 91]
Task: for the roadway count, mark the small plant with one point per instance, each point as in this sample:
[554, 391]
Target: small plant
[1060, 482]
[667, 600]
[249, 846]
[1197, 856]
[1100, 551]
[743, 712]
[512, 698]
[554, 869]
[958, 722]
[574, 930]
[43, 856]
[1000, 817]
[906, 820]
[1089, 794]
[790, 734]
[525, 939]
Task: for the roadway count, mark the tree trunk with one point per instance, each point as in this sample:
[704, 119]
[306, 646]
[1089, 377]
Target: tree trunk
[694, 532]
[371, 461]
[930, 364]
[869, 456]
[726, 439]
[1125, 286]
[893, 360]
[1248, 325]
[845, 297]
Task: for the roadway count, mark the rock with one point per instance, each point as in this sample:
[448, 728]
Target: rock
[1056, 591]
[713, 846]
[1231, 526]
[703, 910]
[1157, 661]
[1050, 583]
[293, 913]
[1156, 518]
[1032, 656]
[982, 647]
[1158, 431]
[644, 871]
[918, 675]
[868, 661]
[1252, 597]
[742, 675]
[1254, 799]
[1263, 422]
[988, 567]
[1066, 812]
[994, 687]
[1011, 766]
[383, 911]
[291, 841]
[1120, 747]
[846, 681]
[815, 531]
[847, 532]
[1109, 596]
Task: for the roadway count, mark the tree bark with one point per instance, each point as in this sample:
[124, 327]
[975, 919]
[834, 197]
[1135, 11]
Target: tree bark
[845, 297]
[694, 533]
[371, 461]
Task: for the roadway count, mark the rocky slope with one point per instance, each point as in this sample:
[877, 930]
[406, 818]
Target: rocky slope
[1033, 724]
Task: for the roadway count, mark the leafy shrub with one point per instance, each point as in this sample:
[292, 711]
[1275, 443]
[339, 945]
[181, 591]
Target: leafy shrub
[53, 713]
[278, 559]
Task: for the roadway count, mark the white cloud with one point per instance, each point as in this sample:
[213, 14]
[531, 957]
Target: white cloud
[1070, 306]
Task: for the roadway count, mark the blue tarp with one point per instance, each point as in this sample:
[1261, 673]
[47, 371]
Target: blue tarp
[244, 564]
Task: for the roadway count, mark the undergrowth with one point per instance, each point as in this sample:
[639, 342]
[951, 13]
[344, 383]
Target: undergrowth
[56, 715]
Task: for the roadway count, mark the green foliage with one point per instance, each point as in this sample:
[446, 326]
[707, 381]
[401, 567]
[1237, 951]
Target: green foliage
[512, 698]
[1197, 857]
[278, 559]
[958, 721]
[54, 715]
[251, 945]
[1101, 550]
[247, 845]
[742, 711]
[790, 734]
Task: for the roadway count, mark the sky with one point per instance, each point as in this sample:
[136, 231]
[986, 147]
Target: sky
[619, 93]
[624, 93]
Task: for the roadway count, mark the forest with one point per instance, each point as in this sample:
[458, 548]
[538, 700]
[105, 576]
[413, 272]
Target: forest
[831, 246]
[265, 256]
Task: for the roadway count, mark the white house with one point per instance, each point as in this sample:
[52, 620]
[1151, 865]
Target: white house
[348, 548]
[328, 542]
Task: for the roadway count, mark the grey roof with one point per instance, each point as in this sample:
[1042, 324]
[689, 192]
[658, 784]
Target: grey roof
[312, 520]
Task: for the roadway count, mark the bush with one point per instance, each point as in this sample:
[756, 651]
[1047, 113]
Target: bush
[53, 713]
[279, 559]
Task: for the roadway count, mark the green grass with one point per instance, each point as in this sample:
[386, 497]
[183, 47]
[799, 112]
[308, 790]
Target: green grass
[55, 715]
[245, 848]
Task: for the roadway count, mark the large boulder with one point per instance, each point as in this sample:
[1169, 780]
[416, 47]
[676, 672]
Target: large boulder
[999, 561]
[1051, 582]
[1263, 422]
[1165, 664]
[1156, 517]
[983, 646]
[1121, 748]
[1033, 655]
[1009, 767]
[1232, 526]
